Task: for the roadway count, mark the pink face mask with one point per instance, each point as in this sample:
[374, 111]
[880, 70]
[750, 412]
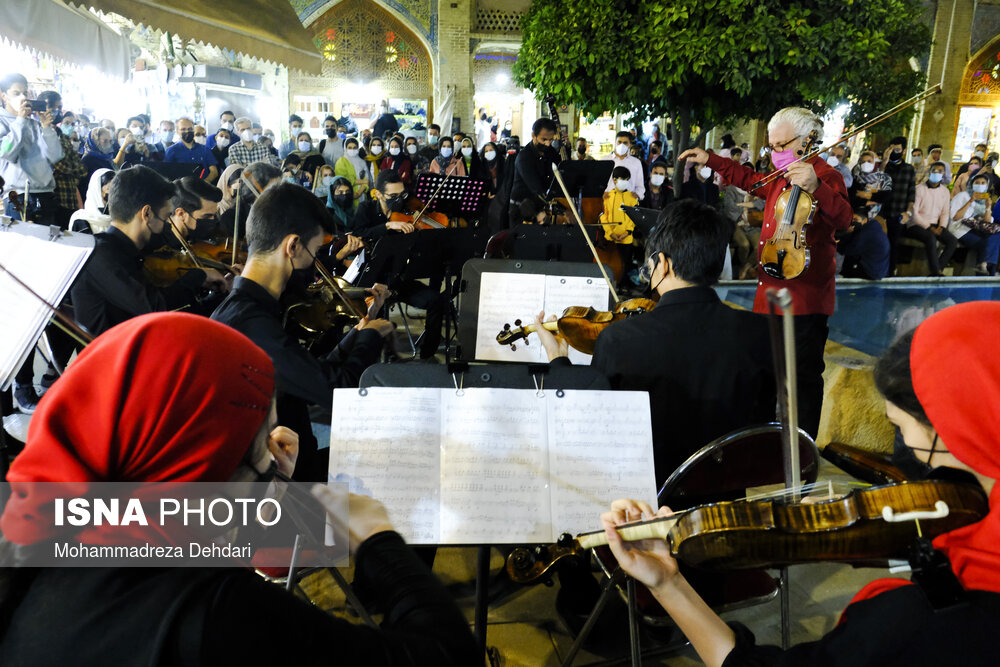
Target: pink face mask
[782, 159]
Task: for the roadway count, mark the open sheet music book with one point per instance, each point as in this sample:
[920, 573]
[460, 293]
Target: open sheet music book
[506, 297]
[49, 268]
[492, 466]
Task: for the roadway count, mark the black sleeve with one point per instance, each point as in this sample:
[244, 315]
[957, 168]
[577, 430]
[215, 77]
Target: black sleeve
[366, 223]
[525, 167]
[252, 622]
[183, 292]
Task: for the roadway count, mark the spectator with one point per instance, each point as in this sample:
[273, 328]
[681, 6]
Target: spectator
[248, 150]
[295, 124]
[898, 207]
[973, 225]
[94, 214]
[968, 169]
[186, 151]
[69, 170]
[929, 223]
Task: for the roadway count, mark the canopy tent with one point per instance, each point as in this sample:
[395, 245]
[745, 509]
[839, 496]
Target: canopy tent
[265, 29]
[66, 34]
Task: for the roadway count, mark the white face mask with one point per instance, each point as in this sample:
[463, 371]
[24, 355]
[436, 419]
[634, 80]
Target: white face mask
[412, 149]
[394, 150]
[137, 131]
[446, 151]
[979, 154]
[621, 149]
[621, 184]
[467, 151]
[296, 129]
[305, 146]
[657, 179]
[706, 172]
[200, 140]
[935, 177]
[352, 152]
[833, 161]
[328, 181]
[167, 136]
[917, 159]
[980, 188]
[867, 167]
[376, 150]
[246, 135]
[221, 142]
[490, 155]
[228, 125]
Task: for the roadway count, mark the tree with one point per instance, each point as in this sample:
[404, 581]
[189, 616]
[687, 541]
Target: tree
[709, 62]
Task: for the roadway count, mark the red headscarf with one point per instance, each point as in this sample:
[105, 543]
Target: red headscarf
[956, 376]
[166, 397]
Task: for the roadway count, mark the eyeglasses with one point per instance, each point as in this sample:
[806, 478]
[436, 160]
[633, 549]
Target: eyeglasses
[646, 270]
[781, 147]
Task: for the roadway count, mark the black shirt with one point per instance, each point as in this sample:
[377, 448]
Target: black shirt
[301, 379]
[533, 171]
[136, 617]
[112, 287]
[369, 220]
[706, 366]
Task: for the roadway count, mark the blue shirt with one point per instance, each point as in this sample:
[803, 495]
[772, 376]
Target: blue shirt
[197, 154]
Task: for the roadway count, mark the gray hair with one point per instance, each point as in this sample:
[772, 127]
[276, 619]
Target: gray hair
[803, 121]
[241, 120]
[188, 119]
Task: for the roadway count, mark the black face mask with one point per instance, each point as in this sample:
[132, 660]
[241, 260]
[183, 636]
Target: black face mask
[203, 230]
[304, 277]
[187, 137]
[896, 156]
[162, 238]
[394, 203]
[581, 150]
[331, 132]
[343, 201]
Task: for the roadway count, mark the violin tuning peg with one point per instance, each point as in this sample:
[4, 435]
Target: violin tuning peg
[517, 323]
[513, 347]
[506, 327]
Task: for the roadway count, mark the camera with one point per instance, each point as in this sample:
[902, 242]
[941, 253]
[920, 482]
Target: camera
[37, 106]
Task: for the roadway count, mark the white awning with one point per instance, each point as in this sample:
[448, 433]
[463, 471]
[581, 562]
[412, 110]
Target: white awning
[73, 36]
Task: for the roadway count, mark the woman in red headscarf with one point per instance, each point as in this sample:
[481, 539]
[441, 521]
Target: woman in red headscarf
[942, 389]
[170, 397]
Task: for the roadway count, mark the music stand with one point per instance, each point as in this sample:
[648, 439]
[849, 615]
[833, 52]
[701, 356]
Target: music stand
[587, 178]
[551, 243]
[459, 196]
[644, 218]
[174, 170]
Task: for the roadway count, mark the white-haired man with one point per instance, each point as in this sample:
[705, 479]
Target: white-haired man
[248, 150]
[812, 292]
[186, 151]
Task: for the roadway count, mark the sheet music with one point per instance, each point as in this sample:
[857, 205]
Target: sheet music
[506, 297]
[47, 267]
[387, 444]
[492, 466]
[352, 272]
[600, 449]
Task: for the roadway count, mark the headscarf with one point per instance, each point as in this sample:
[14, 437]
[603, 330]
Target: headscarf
[341, 216]
[373, 159]
[92, 205]
[978, 207]
[228, 200]
[92, 148]
[958, 406]
[358, 162]
[136, 406]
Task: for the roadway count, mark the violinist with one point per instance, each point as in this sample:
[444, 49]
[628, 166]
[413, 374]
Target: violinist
[112, 287]
[813, 293]
[372, 222]
[195, 211]
[284, 231]
[533, 167]
[945, 417]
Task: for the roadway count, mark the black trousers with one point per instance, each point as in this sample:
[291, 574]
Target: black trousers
[893, 229]
[931, 242]
[434, 302]
[811, 332]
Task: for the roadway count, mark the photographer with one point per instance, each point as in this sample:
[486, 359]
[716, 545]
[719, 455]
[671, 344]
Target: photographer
[29, 146]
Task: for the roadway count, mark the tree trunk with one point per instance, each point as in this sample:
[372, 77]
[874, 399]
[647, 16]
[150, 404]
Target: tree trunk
[682, 137]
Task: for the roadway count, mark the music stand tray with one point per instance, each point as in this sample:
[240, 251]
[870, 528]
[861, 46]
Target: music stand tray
[459, 196]
[174, 170]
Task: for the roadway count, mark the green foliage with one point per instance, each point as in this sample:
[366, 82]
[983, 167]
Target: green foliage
[716, 61]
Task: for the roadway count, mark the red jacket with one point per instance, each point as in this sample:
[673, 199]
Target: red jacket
[813, 292]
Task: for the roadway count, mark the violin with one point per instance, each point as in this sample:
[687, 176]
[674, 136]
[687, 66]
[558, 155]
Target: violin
[864, 525]
[580, 325]
[221, 252]
[785, 255]
[319, 313]
[422, 219]
[164, 267]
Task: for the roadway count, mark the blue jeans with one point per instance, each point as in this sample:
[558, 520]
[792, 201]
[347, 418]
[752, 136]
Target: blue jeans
[987, 248]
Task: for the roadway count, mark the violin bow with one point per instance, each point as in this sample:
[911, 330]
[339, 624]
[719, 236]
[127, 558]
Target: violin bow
[902, 106]
[328, 279]
[185, 246]
[436, 192]
[64, 322]
[600, 264]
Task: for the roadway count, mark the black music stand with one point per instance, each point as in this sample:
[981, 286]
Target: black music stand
[644, 218]
[459, 196]
[551, 243]
[583, 178]
[174, 170]
[503, 376]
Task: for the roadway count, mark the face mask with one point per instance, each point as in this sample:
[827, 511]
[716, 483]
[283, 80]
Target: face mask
[352, 152]
[221, 142]
[203, 230]
[621, 149]
[979, 154]
[621, 184]
[490, 155]
[305, 146]
[67, 128]
[188, 136]
[328, 181]
[705, 172]
[433, 139]
[896, 156]
[296, 129]
[164, 237]
[394, 150]
[304, 277]
[246, 135]
[935, 177]
[446, 151]
[411, 149]
[137, 131]
[376, 150]
[256, 137]
[289, 178]
[394, 203]
[342, 135]
[167, 136]
[201, 139]
[917, 159]
[832, 161]
[980, 188]
[467, 151]
[657, 179]
[330, 132]
[973, 168]
[343, 201]
[867, 167]
[104, 146]
[782, 159]
[581, 150]
[228, 125]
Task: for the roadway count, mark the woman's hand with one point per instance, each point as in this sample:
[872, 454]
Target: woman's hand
[283, 443]
[647, 561]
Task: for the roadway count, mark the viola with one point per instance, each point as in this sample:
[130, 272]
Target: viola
[319, 312]
[864, 525]
[785, 255]
[580, 325]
